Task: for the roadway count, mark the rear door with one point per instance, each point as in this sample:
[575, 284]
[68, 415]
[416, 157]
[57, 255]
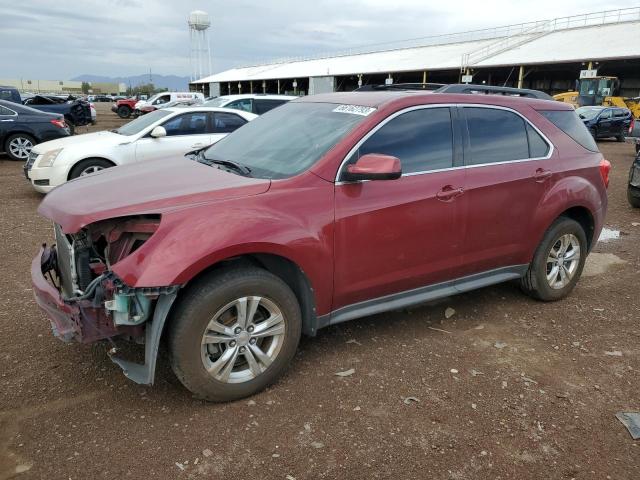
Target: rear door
[619, 123]
[8, 118]
[509, 169]
[393, 236]
[185, 132]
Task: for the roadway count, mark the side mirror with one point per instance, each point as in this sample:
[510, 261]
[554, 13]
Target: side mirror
[158, 132]
[374, 166]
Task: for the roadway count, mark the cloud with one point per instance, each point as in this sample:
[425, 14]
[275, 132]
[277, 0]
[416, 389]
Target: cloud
[59, 40]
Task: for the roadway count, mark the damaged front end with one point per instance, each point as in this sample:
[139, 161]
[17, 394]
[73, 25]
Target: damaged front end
[86, 301]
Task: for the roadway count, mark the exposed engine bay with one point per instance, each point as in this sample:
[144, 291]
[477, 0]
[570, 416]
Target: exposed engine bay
[95, 304]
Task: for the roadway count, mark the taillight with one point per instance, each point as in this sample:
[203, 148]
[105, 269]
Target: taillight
[633, 124]
[605, 168]
[58, 122]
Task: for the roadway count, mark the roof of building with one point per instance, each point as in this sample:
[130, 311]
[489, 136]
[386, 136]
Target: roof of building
[567, 39]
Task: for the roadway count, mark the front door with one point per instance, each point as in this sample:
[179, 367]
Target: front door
[508, 172]
[397, 235]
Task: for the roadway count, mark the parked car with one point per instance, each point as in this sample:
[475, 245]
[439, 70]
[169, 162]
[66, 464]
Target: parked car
[605, 122]
[76, 112]
[167, 133]
[103, 98]
[137, 106]
[124, 107]
[159, 99]
[23, 127]
[326, 209]
[633, 187]
[256, 103]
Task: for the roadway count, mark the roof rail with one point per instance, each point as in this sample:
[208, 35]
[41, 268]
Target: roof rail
[488, 90]
[401, 86]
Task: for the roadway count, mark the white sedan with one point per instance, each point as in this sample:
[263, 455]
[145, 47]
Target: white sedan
[158, 135]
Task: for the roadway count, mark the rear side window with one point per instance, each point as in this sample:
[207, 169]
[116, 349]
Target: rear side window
[495, 136]
[6, 111]
[263, 106]
[226, 122]
[538, 147]
[422, 140]
[569, 122]
[620, 113]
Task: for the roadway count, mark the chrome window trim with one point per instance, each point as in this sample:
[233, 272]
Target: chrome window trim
[447, 105]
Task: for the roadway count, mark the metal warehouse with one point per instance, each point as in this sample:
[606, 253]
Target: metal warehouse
[546, 55]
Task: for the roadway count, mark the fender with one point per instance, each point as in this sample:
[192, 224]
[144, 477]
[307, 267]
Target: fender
[569, 192]
[185, 245]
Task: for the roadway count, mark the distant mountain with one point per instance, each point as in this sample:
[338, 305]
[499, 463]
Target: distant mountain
[172, 82]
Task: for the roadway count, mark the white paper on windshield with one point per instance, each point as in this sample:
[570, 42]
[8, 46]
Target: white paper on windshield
[354, 109]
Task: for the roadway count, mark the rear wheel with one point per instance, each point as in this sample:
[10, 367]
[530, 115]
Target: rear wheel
[620, 138]
[90, 165]
[18, 146]
[633, 196]
[234, 333]
[558, 261]
[124, 111]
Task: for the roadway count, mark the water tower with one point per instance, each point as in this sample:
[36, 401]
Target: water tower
[200, 50]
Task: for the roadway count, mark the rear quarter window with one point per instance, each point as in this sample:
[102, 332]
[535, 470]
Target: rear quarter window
[569, 122]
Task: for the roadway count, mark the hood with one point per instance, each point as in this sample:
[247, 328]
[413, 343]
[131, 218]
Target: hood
[76, 140]
[145, 187]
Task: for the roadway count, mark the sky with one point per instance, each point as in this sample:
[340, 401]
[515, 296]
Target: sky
[46, 39]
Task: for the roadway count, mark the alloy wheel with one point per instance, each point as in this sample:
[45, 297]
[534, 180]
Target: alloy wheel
[20, 147]
[91, 169]
[562, 261]
[242, 339]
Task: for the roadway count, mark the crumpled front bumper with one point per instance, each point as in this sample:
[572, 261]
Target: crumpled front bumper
[81, 321]
[86, 322]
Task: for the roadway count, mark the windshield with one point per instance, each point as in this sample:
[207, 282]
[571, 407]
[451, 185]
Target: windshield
[289, 139]
[596, 86]
[140, 123]
[588, 113]
[216, 102]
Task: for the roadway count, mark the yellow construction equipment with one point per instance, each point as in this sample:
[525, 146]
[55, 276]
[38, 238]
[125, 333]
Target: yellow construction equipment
[599, 91]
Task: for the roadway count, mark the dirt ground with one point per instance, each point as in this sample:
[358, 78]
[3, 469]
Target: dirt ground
[506, 388]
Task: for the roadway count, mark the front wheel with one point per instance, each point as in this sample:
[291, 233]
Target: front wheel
[234, 333]
[558, 261]
[90, 165]
[633, 196]
[620, 138]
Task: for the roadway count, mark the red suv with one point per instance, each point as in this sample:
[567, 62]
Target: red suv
[326, 209]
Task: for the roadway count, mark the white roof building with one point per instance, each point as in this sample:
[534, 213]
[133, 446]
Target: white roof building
[582, 38]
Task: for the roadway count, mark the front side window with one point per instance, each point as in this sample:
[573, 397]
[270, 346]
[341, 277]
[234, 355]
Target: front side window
[495, 136]
[139, 124]
[187, 124]
[606, 115]
[422, 140]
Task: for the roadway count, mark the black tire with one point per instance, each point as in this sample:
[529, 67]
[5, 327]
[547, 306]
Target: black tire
[19, 137]
[632, 197]
[83, 165]
[72, 127]
[124, 111]
[620, 138]
[198, 305]
[534, 283]
[593, 133]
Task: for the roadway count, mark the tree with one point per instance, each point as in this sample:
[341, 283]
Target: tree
[86, 87]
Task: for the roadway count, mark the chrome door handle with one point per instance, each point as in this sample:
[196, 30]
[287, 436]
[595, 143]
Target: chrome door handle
[541, 175]
[448, 193]
[7, 120]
